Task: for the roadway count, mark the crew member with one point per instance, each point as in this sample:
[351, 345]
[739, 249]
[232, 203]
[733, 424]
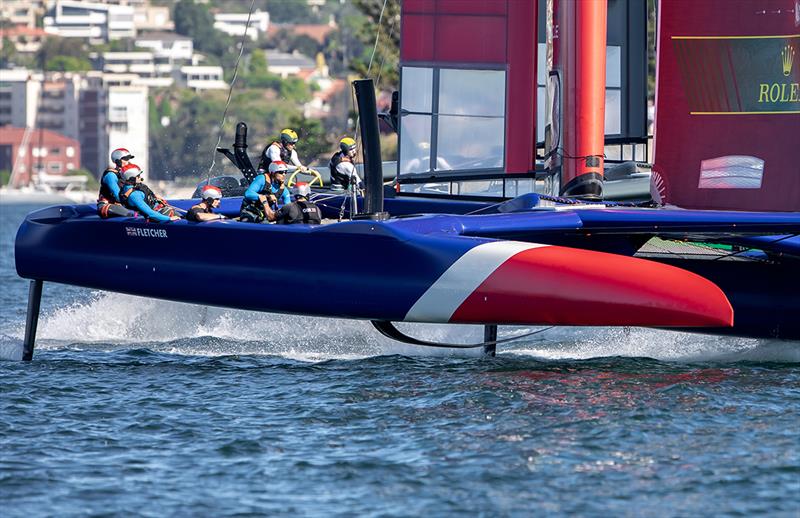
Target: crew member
[108, 202]
[280, 192]
[282, 150]
[343, 171]
[138, 196]
[204, 211]
[257, 196]
[299, 211]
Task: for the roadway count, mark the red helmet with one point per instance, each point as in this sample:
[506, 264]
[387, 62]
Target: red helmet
[131, 171]
[120, 154]
[278, 167]
[211, 192]
[302, 189]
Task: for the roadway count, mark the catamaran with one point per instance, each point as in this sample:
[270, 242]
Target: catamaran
[479, 227]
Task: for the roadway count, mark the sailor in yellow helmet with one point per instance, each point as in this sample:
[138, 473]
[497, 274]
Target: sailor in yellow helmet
[343, 171]
[282, 150]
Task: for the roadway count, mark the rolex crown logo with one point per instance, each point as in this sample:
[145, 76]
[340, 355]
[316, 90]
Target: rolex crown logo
[787, 57]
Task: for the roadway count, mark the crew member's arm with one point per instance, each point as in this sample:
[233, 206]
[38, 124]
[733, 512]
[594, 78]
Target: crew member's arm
[199, 214]
[136, 199]
[280, 214]
[255, 186]
[295, 162]
[112, 182]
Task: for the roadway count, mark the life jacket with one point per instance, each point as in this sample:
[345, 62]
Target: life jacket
[286, 156]
[255, 208]
[305, 212]
[149, 197]
[202, 208]
[105, 194]
[310, 211]
[336, 176]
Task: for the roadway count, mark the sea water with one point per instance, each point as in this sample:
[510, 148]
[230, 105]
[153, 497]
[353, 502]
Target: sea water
[143, 407]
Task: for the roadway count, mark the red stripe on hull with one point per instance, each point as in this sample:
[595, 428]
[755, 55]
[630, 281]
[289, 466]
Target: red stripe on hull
[566, 286]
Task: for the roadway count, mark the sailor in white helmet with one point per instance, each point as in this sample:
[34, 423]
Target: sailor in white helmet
[108, 201]
[211, 197]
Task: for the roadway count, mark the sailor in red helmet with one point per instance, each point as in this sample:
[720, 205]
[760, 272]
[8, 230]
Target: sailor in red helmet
[211, 197]
[108, 202]
[138, 196]
[299, 211]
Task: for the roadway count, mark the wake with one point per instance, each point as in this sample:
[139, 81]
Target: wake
[112, 321]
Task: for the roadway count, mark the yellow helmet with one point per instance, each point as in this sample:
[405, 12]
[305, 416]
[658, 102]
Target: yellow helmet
[347, 145]
[288, 136]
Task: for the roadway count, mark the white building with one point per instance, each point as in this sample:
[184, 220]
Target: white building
[203, 77]
[168, 45]
[94, 21]
[128, 121]
[235, 23]
[147, 70]
[289, 65]
[152, 18]
[21, 12]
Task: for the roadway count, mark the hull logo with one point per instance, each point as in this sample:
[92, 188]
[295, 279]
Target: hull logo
[146, 232]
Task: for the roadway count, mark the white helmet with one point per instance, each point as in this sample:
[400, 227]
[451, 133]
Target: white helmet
[302, 189]
[278, 167]
[120, 154]
[131, 171]
[211, 192]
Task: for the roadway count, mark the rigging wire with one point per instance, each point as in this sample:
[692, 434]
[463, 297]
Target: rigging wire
[230, 93]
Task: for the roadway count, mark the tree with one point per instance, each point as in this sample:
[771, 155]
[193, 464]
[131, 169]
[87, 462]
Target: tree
[313, 140]
[67, 64]
[386, 59]
[195, 21]
[54, 47]
[290, 11]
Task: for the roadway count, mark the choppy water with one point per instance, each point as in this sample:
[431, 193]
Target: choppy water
[140, 407]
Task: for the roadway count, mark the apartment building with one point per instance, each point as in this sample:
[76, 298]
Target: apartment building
[203, 77]
[21, 12]
[172, 46]
[235, 23]
[149, 70]
[95, 21]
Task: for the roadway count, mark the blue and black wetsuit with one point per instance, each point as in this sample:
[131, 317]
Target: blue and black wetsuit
[282, 194]
[252, 209]
[108, 200]
[140, 198]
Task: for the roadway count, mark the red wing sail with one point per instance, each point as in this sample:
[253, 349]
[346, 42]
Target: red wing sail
[727, 133]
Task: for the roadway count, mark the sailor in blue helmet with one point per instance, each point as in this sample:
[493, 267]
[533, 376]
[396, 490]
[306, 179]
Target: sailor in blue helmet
[138, 196]
[108, 202]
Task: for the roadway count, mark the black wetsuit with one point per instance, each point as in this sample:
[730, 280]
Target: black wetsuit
[300, 211]
[200, 208]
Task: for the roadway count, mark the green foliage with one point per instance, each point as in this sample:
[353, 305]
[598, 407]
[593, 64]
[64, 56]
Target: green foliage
[8, 53]
[185, 147]
[287, 41]
[290, 11]
[5, 176]
[295, 89]
[54, 47]
[67, 64]
[91, 183]
[313, 140]
[195, 21]
[385, 62]
[652, 8]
